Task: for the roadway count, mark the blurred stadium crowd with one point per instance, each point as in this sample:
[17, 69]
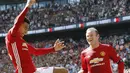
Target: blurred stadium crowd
[65, 14]
[55, 14]
[69, 57]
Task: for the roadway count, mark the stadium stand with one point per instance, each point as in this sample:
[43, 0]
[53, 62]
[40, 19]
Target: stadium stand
[55, 14]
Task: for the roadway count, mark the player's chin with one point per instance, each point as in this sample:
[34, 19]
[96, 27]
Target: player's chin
[90, 43]
[23, 34]
[26, 33]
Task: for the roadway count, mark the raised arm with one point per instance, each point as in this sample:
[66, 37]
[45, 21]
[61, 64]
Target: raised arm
[20, 18]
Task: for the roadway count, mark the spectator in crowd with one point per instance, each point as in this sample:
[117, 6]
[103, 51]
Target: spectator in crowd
[55, 14]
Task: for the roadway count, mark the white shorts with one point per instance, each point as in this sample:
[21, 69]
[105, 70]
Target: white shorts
[44, 70]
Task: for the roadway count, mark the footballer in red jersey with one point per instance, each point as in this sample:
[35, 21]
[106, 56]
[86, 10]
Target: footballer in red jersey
[19, 50]
[96, 58]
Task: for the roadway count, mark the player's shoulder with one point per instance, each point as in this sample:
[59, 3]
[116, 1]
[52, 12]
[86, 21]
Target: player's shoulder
[85, 50]
[9, 35]
[9, 31]
[105, 45]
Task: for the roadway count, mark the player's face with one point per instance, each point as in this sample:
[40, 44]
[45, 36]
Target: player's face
[92, 37]
[23, 29]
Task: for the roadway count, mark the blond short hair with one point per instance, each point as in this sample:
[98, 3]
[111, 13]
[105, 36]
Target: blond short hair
[92, 29]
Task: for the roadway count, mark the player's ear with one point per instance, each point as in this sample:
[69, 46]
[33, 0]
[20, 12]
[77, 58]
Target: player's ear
[98, 36]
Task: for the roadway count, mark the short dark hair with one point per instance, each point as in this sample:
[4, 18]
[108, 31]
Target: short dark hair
[93, 29]
[26, 20]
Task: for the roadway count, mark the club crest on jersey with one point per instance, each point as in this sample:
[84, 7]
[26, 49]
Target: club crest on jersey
[102, 53]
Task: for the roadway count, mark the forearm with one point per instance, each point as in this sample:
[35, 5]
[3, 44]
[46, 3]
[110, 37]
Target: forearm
[22, 15]
[83, 64]
[41, 51]
[20, 19]
[30, 3]
[85, 71]
[121, 67]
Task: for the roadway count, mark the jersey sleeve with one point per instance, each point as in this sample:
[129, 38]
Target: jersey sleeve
[40, 51]
[113, 55]
[83, 63]
[19, 20]
[121, 67]
[116, 58]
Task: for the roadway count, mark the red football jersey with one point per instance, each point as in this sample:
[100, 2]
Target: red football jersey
[97, 60]
[19, 50]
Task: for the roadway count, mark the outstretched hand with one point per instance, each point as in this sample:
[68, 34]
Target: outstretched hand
[59, 45]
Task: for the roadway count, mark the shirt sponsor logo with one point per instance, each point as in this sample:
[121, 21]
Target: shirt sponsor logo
[96, 60]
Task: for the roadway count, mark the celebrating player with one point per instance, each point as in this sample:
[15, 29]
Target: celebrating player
[96, 58]
[19, 50]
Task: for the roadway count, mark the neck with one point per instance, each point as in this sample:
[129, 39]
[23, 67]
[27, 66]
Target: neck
[94, 45]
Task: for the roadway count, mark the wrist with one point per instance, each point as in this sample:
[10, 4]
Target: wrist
[53, 48]
[28, 6]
